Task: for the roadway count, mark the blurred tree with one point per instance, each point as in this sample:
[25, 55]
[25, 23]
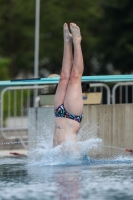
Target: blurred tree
[85, 13]
[4, 72]
[116, 36]
[17, 33]
[17, 19]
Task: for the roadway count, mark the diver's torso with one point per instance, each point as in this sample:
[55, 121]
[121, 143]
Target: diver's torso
[65, 127]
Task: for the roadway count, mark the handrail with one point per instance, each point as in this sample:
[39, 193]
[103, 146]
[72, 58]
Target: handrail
[105, 86]
[91, 79]
[1, 110]
[115, 87]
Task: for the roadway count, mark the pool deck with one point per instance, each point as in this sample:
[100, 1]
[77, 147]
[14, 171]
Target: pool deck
[6, 153]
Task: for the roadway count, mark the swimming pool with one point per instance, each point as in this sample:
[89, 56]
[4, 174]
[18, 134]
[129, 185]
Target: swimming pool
[21, 180]
[58, 174]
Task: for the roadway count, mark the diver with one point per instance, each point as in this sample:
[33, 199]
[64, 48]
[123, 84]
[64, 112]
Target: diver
[68, 102]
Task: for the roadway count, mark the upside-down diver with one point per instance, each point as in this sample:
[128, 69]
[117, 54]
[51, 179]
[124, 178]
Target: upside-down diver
[68, 102]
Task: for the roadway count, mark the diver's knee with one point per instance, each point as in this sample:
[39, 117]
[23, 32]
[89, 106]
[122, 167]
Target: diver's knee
[75, 76]
[64, 77]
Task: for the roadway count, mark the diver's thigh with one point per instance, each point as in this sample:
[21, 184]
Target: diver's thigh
[60, 93]
[73, 101]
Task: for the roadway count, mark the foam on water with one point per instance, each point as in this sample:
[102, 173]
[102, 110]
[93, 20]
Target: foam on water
[62, 154]
[65, 154]
[88, 146]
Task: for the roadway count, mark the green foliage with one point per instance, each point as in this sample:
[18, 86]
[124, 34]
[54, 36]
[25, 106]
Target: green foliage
[4, 72]
[106, 28]
[116, 36]
[17, 21]
[56, 12]
[17, 33]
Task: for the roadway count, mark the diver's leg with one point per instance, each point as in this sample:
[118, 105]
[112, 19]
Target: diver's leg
[66, 68]
[73, 100]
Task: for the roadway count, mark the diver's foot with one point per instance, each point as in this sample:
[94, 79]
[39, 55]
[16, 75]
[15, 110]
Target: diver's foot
[75, 30]
[67, 34]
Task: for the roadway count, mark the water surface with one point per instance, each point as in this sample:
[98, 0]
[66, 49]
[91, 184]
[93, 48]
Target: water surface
[19, 180]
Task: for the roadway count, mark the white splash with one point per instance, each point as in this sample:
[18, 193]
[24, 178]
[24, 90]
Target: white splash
[43, 152]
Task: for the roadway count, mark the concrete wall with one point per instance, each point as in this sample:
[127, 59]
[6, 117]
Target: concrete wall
[114, 123]
[9, 144]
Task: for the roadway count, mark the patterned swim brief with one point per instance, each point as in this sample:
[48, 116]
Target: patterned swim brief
[61, 112]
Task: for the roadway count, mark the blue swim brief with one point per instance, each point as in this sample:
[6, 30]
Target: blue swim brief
[61, 112]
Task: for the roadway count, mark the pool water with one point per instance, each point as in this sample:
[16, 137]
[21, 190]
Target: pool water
[105, 179]
[63, 174]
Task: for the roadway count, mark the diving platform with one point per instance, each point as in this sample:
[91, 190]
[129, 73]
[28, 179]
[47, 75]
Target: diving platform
[55, 80]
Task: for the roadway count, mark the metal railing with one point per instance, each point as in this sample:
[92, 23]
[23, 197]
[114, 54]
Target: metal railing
[15, 101]
[14, 104]
[102, 87]
[122, 93]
